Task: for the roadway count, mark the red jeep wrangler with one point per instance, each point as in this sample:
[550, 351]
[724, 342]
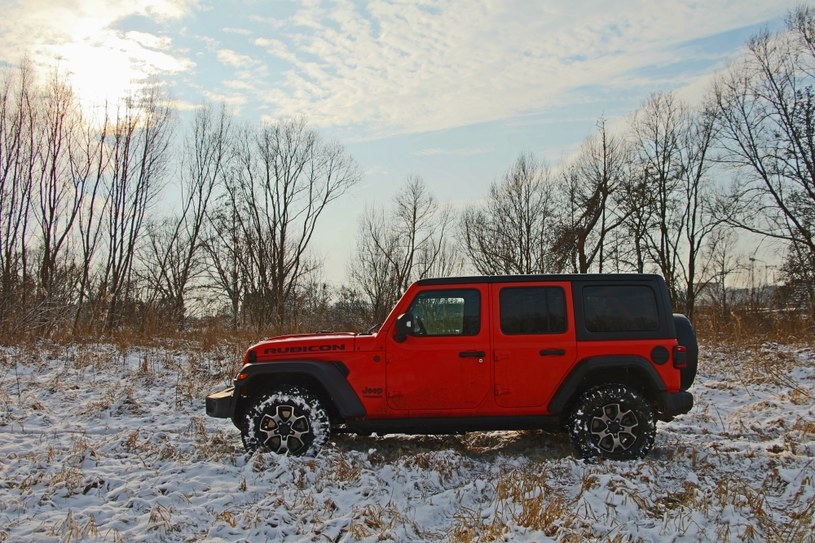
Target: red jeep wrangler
[601, 356]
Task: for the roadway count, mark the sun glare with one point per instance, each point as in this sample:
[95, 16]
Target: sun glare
[99, 74]
[105, 68]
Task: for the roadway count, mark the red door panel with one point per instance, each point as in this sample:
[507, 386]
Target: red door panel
[534, 342]
[446, 365]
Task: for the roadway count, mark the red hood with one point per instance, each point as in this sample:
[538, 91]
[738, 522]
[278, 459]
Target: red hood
[309, 346]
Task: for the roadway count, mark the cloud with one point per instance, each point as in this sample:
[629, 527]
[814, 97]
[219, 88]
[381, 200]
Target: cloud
[82, 40]
[240, 31]
[418, 66]
[233, 59]
[436, 151]
[235, 100]
[382, 67]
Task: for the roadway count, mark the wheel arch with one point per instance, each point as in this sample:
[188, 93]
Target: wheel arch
[632, 371]
[327, 380]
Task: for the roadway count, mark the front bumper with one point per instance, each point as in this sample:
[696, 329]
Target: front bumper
[221, 404]
[671, 404]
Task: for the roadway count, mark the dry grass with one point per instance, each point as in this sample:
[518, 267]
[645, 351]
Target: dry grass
[72, 529]
[470, 526]
[379, 522]
[743, 326]
[542, 490]
[345, 469]
[530, 501]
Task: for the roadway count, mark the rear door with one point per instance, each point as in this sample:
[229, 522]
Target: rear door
[534, 341]
[445, 363]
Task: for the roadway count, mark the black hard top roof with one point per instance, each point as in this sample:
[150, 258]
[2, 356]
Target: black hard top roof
[622, 277]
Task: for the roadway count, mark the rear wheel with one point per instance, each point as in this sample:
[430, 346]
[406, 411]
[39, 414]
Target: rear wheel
[612, 421]
[289, 421]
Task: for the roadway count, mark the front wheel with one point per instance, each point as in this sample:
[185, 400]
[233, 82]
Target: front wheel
[612, 421]
[288, 421]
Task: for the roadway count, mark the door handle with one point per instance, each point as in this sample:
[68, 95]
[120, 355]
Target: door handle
[471, 354]
[552, 352]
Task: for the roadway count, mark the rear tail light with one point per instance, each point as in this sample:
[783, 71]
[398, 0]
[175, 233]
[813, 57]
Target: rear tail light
[680, 357]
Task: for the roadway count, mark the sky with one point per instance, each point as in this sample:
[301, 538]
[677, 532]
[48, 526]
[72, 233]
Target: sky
[451, 91]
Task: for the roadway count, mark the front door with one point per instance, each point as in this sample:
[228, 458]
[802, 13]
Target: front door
[445, 362]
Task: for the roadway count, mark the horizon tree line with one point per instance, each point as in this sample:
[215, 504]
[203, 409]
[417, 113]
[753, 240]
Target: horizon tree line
[666, 191]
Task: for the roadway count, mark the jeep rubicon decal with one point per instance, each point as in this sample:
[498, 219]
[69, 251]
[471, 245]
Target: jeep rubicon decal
[601, 357]
[303, 349]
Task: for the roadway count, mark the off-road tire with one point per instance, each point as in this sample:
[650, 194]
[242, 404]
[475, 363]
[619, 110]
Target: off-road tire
[289, 421]
[614, 422]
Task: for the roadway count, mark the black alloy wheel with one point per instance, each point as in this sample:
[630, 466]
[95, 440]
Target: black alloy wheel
[614, 422]
[288, 421]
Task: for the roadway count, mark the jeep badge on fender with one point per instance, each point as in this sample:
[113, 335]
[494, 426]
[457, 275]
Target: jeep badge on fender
[601, 357]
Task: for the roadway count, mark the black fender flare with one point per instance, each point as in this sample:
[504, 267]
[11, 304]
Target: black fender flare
[578, 377]
[331, 376]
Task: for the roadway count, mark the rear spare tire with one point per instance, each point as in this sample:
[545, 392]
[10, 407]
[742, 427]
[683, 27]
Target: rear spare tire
[686, 336]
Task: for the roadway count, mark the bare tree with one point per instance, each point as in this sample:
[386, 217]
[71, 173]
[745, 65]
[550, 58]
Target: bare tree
[17, 156]
[89, 166]
[635, 203]
[407, 243]
[223, 243]
[798, 274]
[587, 188]
[286, 176]
[766, 110]
[673, 146]
[372, 268]
[656, 130]
[512, 232]
[701, 222]
[723, 262]
[52, 168]
[139, 152]
[58, 195]
[173, 252]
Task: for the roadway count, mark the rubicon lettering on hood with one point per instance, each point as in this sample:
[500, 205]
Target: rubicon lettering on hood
[306, 349]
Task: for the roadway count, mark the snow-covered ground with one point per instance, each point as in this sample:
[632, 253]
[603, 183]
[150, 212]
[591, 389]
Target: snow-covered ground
[99, 443]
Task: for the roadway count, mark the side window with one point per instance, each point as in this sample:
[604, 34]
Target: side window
[447, 312]
[532, 310]
[620, 308]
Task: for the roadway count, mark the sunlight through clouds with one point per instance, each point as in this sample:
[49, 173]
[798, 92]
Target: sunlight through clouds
[80, 39]
[111, 69]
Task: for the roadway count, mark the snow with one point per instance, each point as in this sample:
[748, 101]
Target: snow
[107, 443]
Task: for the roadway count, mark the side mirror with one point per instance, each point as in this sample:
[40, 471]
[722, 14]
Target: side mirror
[404, 327]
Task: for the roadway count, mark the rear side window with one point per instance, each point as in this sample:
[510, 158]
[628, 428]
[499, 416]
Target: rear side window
[532, 310]
[620, 308]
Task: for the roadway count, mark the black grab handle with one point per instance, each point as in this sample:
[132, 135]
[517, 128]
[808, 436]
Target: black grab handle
[552, 352]
[471, 354]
